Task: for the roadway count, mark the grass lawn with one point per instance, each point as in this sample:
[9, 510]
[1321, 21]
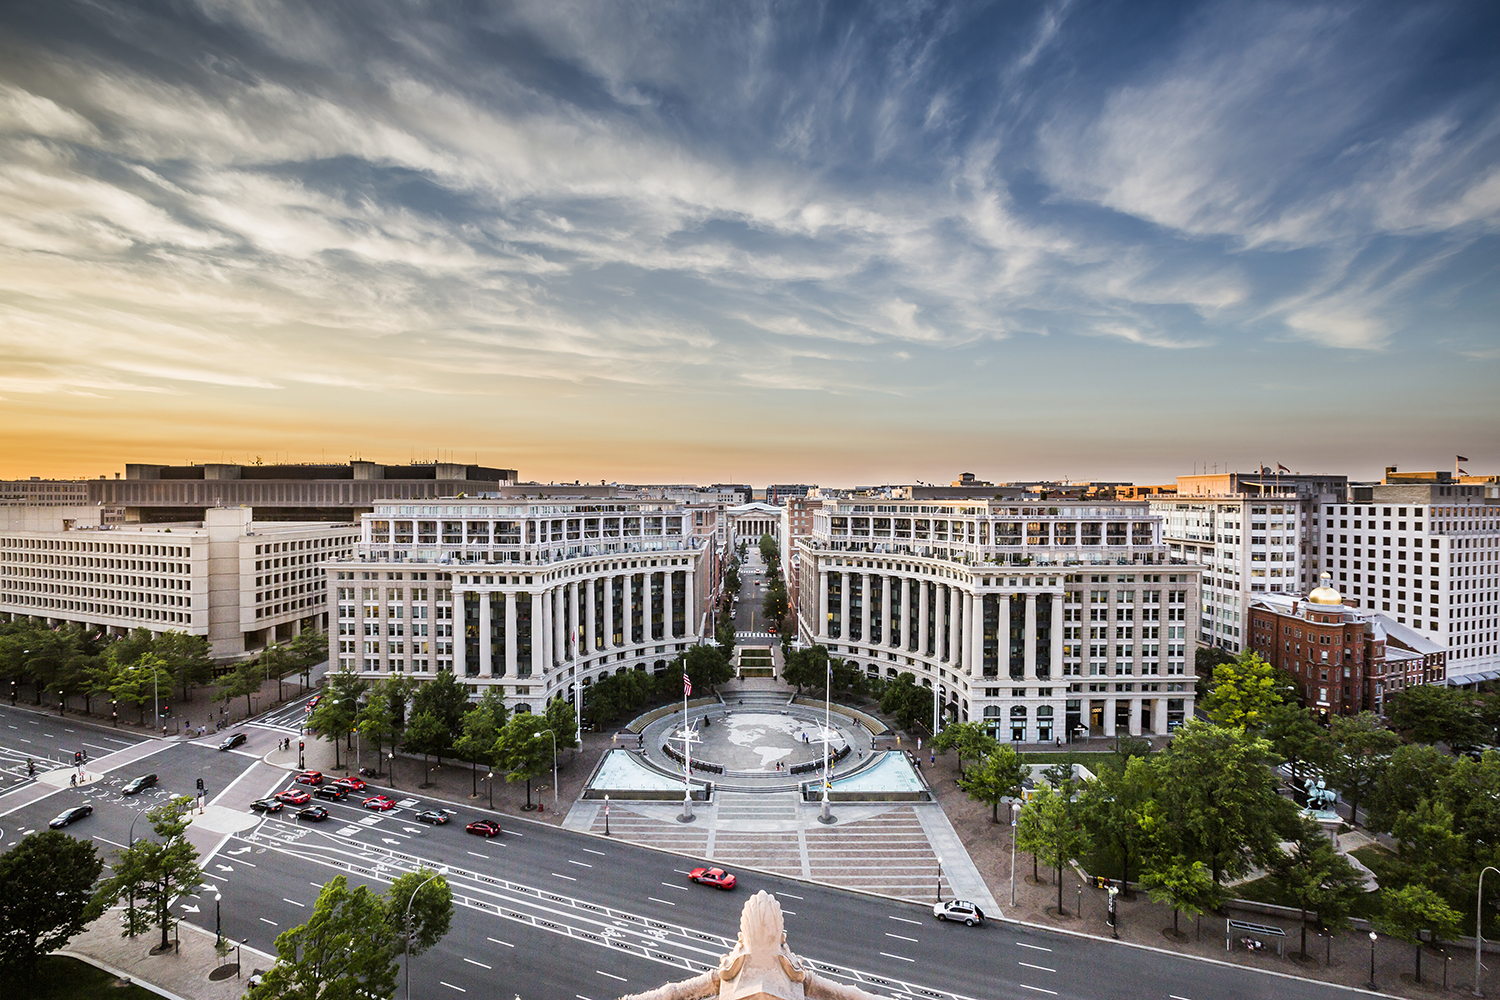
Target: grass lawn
[61, 978]
[1263, 890]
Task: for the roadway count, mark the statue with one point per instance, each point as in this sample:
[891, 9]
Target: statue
[761, 966]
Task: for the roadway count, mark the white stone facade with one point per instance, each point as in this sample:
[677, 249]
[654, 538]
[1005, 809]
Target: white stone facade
[531, 597]
[1046, 620]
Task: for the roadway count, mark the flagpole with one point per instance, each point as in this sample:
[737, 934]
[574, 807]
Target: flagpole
[687, 751]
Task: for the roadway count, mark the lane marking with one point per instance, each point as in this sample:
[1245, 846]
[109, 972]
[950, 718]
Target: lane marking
[1037, 989]
[592, 851]
[271, 922]
[905, 920]
[791, 894]
[480, 964]
[1174, 996]
[655, 900]
[1033, 947]
[1040, 968]
[498, 941]
[568, 877]
[902, 937]
[580, 864]
[679, 888]
[902, 957]
[612, 975]
[478, 855]
[452, 987]
[293, 902]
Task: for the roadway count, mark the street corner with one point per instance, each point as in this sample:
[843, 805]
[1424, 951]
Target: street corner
[222, 820]
[67, 777]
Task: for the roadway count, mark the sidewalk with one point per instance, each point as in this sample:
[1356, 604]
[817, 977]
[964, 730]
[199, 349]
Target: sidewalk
[187, 972]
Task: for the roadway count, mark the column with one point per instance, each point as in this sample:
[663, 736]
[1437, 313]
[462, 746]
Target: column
[609, 611]
[574, 632]
[460, 634]
[1159, 716]
[823, 604]
[542, 630]
[484, 637]
[648, 595]
[510, 635]
[560, 623]
[1057, 636]
[690, 600]
[864, 608]
[886, 632]
[1030, 637]
[538, 633]
[591, 631]
[1109, 716]
[976, 664]
[906, 612]
[955, 625]
[966, 633]
[939, 612]
[1135, 716]
[1002, 638]
[922, 610]
[844, 607]
[669, 604]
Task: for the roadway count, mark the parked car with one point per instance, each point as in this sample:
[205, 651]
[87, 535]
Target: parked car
[294, 797]
[231, 741]
[484, 828]
[352, 783]
[333, 793]
[316, 814]
[958, 909]
[139, 784]
[70, 816]
[434, 816]
[716, 877]
[265, 806]
[314, 778]
[380, 802]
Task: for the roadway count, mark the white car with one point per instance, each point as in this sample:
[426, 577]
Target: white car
[958, 909]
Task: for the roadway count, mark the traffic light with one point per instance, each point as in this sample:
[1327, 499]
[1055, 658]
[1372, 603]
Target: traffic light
[299, 746]
[78, 756]
[200, 784]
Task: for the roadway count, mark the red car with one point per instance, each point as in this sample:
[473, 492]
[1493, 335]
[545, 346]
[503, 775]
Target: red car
[314, 778]
[713, 876]
[352, 783]
[294, 797]
[313, 702]
[484, 827]
[381, 802]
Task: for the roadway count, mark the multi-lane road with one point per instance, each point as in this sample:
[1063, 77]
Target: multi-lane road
[545, 912]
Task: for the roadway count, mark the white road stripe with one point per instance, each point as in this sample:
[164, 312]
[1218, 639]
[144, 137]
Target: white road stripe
[568, 877]
[498, 941]
[592, 851]
[271, 922]
[655, 900]
[1041, 968]
[480, 964]
[612, 975]
[293, 902]
[478, 855]
[791, 894]
[580, 864]
[679, 888]
[904, 920]
[902, 957]
[902, 937]
[1033, 947]
[452, 987]
[1037, 989]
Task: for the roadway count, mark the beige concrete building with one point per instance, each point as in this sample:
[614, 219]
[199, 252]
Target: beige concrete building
[241, 583]
[1045, 620]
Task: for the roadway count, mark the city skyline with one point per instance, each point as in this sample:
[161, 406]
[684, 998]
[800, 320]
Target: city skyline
[751, 243]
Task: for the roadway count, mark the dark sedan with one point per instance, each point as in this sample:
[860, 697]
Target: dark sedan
[231, 741]
[71, 816]
[315, 813]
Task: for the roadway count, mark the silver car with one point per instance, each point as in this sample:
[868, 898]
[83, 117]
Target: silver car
[958, 909]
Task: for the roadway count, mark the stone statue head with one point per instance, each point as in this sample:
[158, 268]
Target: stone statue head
[760, 963]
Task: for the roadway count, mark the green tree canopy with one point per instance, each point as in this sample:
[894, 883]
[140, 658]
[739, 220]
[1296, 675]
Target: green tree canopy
[1408, 911]
[1318, 877]
[338, 710]
[427, 735]
[1115, 807]
[48, 899]
[1363, 746]
[520, 753]
[242, 682]
[1296, 738]
[564, 722]
[1432, 713]
[430, 904]
[998, 775]
[768, 550]
[1186, 886]
[1414, 771]
[446, 698]
[187, 658]
[706, 665]
[1049, 829]
[1243, 692]
[910, 703]
[308, 649]
[155, 872]
[968, 740]
[346, 951]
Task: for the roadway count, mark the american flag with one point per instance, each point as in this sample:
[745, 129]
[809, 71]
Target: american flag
[687, 684]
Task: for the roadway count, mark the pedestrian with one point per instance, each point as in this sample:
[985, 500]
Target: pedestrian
[934, 760]
[919, 742]
[73, 780]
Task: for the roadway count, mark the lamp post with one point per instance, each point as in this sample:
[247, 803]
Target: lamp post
[130, 838]
[939, 886]
[438, 874]
[218, 924]
[1014, 810]
[489, 781]
[826, 816]
[606, 815]
[1479, 929]
[393, 773]
[243, 941]
[1372, 960]
[537, 736]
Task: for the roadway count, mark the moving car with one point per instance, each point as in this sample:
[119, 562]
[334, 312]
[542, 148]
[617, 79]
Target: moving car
[352, 783]
[71, 816]
[434, 816]
[231, 741]
[332, 793]
[309, 778]
[312, 702]
[381, 802]
[294, 797]
[713, 876]
[138, 784]
[265, 806]
[958, 909]
[315, 813]
[484, 828]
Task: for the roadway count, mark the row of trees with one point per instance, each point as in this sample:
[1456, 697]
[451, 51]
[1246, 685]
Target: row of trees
[624, 695]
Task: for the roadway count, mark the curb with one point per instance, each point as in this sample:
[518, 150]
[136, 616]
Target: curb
[117, 973]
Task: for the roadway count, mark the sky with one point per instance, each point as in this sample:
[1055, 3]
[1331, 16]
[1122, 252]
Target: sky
[747, 242]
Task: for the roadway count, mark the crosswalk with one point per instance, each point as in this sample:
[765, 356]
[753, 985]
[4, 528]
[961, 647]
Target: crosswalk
[754, 635]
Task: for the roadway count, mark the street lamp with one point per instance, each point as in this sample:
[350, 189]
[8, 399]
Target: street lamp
[407, 926]
[940, 880]
[537, 736]
[1372, 960]
[1478, 929]
[489, 780]
[1015, 809]
[218, 924]
[825, 816]
[131, 839]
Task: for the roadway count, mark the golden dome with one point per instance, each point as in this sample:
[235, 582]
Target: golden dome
[1325, 594]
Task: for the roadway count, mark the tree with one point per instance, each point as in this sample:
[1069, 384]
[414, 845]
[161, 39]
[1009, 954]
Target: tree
[997, 775]
[156, 872]
[968, 740]
[805, 667]
[1430, 850]
[187, 658]
[706, 665]
[1408, 911]
[49, 897]
[308, 649]
[1317, 877]
[520, 753]
[1184, 885]
[1414, 771]
[1204, 662]
[563, 721]
[1223, 808]
[775, 604]
[1297, 738]
[1431, 713]
[445, 698]
[1243, 691]
[1049, 830]
[376, 722]
[277, 664]
[910, 703]
[426, 734]
[1113, 808]
[1363, 747]
[243, 681]
[768, 550]
[334, 718]
[346, 951]
[430, 904]
[476, 742]
[141, 682]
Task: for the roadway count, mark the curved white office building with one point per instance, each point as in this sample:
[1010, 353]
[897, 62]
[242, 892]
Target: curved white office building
[529, 596]
[1046, 619]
